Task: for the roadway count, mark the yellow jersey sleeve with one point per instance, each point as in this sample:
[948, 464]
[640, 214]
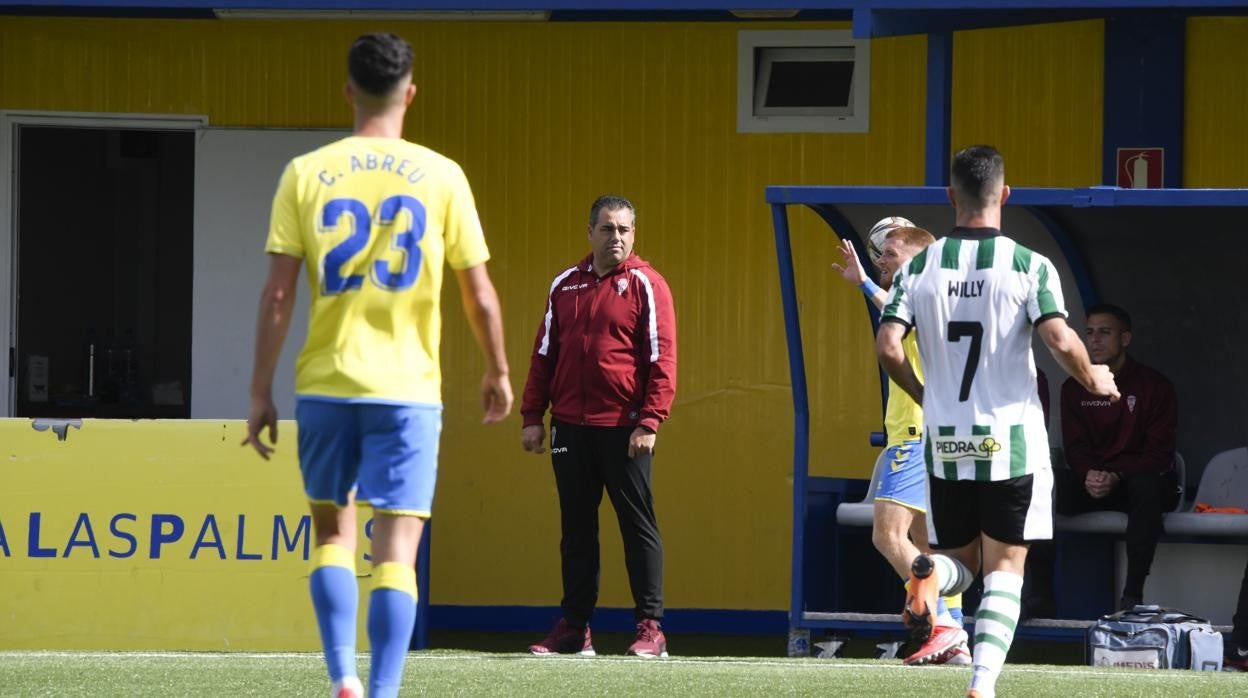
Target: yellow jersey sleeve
[285, 235]
[903, 417]
[465, 240]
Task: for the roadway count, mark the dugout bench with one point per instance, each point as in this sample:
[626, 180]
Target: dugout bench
[824, 594]
[841, 517]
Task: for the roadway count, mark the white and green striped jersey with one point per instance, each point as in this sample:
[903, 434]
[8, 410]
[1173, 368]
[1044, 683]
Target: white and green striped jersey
[976, 295]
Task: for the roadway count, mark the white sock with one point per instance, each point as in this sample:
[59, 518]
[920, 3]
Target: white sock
[983, 691]
[995, 622]
[952, 575]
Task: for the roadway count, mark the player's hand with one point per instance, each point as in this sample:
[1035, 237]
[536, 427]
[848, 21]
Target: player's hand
[263, 414]
[1102, 384]
[641, 442]
[533, 437]
[496, 397]
[852, 271]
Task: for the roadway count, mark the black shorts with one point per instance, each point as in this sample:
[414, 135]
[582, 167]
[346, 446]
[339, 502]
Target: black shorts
[1015, 511]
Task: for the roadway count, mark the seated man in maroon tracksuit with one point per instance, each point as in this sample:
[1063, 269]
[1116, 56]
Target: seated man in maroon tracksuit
[1120, 455]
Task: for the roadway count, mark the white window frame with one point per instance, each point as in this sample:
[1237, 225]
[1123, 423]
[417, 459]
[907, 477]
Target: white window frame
[753, 118]
[10, 120]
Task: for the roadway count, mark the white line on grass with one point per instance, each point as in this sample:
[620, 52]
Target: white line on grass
[749, 661]
[842, 664]
[89, 654]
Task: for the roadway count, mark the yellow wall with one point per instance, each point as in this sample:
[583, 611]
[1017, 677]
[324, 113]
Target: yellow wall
[1215, 142]
[546, 116]
[1037, 93]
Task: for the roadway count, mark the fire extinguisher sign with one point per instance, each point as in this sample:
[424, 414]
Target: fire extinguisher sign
[1140, 168]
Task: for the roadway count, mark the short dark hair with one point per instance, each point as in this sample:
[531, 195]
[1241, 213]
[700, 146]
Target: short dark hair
[1123, 317]
[975, 171]
[610, 203]
[377, 62]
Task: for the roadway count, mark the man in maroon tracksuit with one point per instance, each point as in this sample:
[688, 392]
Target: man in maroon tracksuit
[1121, 455]
[605, 362]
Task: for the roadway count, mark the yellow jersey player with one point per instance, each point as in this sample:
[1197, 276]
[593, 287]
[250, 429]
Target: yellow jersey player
[373, 218]
[899, 526]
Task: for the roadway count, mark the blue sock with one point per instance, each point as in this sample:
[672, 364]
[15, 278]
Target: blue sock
[947, 613]
[335, 597]
[391, 618]
[954, 603]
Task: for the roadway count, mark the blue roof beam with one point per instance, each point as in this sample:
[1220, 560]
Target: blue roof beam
[900, 18]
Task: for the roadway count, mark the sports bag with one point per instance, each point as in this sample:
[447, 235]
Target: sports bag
[1152, 637]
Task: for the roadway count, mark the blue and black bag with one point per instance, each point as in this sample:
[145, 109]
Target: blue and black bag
[1152, 637]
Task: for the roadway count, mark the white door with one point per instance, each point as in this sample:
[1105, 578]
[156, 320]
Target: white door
[236, 173]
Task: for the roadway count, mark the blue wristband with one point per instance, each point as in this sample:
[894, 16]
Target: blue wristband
[870, 288]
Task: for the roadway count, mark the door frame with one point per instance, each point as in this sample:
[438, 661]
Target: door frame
[10, 121]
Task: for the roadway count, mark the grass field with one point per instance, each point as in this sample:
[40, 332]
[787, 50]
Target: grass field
[462, 673]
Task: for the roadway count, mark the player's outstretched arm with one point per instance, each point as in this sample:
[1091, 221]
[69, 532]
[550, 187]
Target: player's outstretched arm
[485, 315]
[1072, 356]
[893, 359]
[277, 302]
[852, 271]
[856, 275]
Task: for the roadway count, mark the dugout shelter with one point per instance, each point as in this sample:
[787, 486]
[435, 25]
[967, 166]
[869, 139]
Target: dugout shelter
[1131, 241]
[1099, 239]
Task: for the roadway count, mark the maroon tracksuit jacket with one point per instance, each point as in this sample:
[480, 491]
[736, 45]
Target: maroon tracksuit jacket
[1135, 435]
[605, 353]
